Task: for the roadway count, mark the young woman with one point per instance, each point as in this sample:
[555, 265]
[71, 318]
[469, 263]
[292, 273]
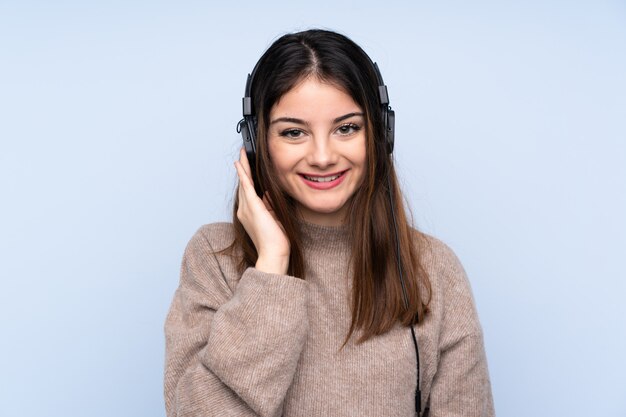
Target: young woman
[315, 300]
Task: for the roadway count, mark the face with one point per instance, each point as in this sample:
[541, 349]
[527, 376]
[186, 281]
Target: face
[316, 140]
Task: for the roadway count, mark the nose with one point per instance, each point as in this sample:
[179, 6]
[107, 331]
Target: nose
[322, 153]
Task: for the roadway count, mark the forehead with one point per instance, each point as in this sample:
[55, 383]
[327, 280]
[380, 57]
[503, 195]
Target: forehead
[313, 99]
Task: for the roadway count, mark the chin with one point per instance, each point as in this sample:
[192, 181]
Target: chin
[327, 208]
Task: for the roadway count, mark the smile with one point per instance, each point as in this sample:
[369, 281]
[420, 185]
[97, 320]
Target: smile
[324, 182]
[322, 179]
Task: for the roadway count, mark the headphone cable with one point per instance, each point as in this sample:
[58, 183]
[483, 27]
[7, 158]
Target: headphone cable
[418, 393]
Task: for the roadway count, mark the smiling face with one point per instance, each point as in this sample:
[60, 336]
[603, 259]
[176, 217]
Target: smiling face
[316, 141]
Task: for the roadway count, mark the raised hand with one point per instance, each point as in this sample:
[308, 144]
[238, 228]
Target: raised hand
[260, 222]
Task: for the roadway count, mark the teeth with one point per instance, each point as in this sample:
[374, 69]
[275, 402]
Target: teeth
[322, 179]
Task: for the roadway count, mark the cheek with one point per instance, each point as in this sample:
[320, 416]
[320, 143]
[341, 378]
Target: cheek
[282, 161]
[358, 155]
[359, 159]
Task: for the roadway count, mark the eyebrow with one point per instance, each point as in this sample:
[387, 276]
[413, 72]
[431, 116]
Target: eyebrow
[302, 122]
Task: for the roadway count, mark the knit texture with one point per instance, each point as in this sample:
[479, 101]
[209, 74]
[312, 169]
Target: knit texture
[259, 344]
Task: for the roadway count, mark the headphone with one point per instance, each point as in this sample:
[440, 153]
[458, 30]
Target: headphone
[248, 129]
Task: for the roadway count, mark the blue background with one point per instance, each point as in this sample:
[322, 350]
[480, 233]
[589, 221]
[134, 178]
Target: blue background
[117, 137]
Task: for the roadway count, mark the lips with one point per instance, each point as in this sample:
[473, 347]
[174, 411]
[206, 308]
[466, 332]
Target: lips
[324, 182]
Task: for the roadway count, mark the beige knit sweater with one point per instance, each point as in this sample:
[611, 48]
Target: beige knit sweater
[260, 344]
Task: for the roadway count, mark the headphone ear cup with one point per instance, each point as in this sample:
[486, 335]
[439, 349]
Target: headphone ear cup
[248, 133]
[390, 124]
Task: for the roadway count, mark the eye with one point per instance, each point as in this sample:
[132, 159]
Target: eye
[348, 129]
[292, 133]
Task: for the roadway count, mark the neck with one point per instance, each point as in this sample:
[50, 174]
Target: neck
[329, 240]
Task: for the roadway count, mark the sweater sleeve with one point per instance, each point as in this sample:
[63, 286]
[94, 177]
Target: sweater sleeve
[231, 352]
[461, 385]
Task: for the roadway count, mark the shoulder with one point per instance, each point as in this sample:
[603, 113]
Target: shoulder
[207, 253]
[452, 296]
[208, 273]
[437, 256]
[213, 237]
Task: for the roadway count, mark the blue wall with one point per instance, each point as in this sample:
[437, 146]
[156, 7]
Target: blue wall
[117, 136]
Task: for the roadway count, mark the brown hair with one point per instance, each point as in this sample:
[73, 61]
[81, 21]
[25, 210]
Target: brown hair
[377, 299]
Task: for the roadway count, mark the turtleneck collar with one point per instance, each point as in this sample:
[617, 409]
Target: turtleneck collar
[329, 240]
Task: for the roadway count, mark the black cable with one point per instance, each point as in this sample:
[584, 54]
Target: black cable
[418, 393]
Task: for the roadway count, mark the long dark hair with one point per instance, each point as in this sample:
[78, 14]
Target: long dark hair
[377, 303]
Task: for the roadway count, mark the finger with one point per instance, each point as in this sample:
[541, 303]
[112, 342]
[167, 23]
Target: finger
[243, 195]
[243, 158]
[246, 187]
[267, 200]
[240, 196]
[244, 178]
[241, 189]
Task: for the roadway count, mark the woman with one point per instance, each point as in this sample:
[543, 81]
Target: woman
[309, 303]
